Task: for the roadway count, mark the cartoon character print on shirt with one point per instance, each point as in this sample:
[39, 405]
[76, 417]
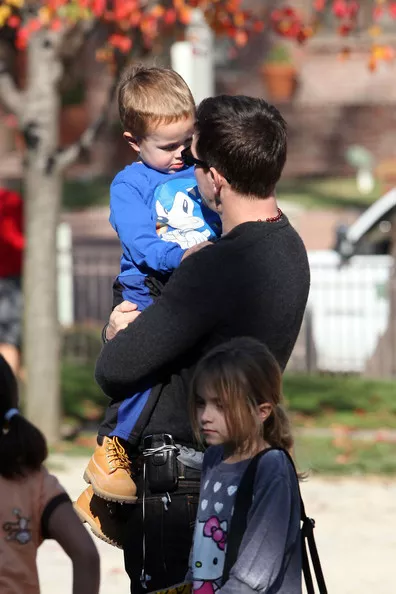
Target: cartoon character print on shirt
[181, 216]
[209, 555]
[18, 530]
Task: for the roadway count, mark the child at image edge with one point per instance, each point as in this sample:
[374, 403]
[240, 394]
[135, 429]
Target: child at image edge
[159, 217]
[34, 506]
[236, 408]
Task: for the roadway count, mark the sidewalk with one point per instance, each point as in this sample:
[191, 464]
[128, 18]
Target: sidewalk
[355, 534]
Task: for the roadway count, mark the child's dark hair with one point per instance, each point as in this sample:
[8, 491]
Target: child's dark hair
[243, 374]
[22, 446]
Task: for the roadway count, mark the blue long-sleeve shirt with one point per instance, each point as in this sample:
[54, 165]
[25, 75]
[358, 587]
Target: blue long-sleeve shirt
[269, 557]
[157, 216]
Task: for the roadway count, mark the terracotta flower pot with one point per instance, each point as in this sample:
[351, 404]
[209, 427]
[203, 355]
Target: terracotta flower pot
[280, 81]
[73, 121]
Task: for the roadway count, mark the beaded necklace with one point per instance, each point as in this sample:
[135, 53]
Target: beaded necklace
[272, 219]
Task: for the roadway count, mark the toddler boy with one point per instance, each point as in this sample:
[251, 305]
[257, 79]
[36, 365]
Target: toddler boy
[159, 217]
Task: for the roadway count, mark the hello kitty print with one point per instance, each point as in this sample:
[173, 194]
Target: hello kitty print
[219, 485]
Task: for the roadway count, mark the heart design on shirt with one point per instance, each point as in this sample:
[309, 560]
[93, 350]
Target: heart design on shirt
[204, 504]
[218, 506]
[231, 490]
[206, 484]
[216, 487]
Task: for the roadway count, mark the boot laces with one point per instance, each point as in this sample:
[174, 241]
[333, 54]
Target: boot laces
[117, 455]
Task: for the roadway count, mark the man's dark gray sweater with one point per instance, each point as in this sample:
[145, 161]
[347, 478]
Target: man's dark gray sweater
[254, 281]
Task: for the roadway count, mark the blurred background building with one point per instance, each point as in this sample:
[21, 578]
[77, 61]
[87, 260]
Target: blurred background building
[332, 102]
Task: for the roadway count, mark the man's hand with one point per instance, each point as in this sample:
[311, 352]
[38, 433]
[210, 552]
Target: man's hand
[195, 248]
[121, 316]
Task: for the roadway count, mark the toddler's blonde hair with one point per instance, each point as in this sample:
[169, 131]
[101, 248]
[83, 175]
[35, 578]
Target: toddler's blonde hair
[149, 96]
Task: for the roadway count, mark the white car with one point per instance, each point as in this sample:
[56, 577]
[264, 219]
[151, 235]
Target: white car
[349, 297]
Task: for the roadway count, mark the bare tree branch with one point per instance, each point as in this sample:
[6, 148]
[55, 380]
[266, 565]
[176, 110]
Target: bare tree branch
[65, 157]
[10, 96]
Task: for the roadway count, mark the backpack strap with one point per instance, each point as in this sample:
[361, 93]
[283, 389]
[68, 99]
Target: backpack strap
[243, 502]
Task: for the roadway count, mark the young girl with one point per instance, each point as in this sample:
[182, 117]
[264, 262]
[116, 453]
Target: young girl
[236, 407]
[33, 505]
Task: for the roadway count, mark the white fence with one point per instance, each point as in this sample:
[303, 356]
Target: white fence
[348, 308]
[349, 303]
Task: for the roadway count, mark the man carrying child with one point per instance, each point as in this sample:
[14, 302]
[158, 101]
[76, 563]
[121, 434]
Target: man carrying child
[253, 281]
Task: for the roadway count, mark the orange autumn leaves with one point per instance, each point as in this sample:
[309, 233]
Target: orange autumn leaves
[289, 23]
[126, 17]
[226, 17]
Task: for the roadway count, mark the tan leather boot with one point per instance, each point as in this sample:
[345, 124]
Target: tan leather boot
[109, 472]
[98, 514]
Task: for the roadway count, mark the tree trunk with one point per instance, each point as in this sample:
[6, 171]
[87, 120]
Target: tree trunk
[42, 204]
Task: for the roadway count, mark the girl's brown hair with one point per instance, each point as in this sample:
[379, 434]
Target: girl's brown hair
[243, 374]
[22, 446]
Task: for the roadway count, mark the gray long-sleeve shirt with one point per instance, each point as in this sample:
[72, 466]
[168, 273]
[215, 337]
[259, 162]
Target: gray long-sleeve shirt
[269, 559]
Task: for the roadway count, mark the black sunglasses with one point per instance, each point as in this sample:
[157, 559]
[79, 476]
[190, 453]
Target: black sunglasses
[190, 160]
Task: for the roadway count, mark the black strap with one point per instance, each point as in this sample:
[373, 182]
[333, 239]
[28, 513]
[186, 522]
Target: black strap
[243, 502]
[49, 509]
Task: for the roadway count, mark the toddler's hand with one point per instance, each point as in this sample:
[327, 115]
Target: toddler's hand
[195, 248]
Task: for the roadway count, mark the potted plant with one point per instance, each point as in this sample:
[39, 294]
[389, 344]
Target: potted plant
[279, 73]
[74, 117]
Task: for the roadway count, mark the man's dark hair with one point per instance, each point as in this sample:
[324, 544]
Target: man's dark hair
[245, 139]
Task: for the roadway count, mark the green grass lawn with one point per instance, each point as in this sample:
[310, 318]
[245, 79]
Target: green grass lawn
[326, 400]
[335, 192]
[324, 456]
[309, 192]
[326, 411]
[314, 455]
[314, 400]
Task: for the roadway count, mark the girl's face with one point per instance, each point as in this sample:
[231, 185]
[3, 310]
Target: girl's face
[211, 418]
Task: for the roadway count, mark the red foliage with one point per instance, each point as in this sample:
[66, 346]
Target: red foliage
[226, 17]
[392, 9]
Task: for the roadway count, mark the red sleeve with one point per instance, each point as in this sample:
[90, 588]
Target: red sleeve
[12, 219]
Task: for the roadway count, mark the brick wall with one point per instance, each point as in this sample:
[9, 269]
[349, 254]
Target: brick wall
[337, 104]
[320, 135]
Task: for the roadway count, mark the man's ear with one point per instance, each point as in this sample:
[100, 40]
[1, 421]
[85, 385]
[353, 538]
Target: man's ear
[264, 411]
[218, 179]
[132, 141]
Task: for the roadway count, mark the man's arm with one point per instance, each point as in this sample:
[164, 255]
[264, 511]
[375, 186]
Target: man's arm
[187, 310]
[133, 222]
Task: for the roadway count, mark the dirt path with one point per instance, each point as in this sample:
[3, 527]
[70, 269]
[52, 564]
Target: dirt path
[356, 536]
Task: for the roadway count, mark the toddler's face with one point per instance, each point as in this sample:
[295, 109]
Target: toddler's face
[161, 148]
